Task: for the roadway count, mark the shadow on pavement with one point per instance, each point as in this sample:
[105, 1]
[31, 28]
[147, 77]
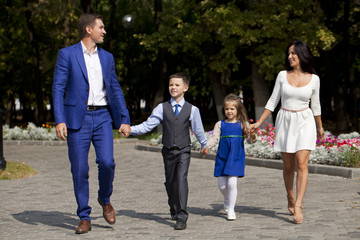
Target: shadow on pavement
[217, 211]
[264, 212]
[53, 218]
[148, 216]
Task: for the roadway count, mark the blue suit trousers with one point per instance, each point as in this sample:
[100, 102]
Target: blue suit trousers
[96, 129]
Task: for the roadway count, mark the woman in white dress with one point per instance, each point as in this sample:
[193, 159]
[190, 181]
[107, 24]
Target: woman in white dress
[296, 125]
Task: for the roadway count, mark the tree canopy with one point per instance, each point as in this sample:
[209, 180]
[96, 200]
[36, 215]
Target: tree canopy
[224, 45]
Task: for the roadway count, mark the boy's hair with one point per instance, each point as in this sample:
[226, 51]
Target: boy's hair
[181, 75]
[241, 112]
[87, 19]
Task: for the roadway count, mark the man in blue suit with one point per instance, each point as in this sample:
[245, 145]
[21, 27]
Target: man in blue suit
[88, 102]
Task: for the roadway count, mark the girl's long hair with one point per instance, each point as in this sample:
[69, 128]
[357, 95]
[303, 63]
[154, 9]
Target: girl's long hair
[241, 112]
[306, 58]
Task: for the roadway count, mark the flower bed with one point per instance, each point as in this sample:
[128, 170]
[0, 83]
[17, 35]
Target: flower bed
[342, 150]
[31, 132]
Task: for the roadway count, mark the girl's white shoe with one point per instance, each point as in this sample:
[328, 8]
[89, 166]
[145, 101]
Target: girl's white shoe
[226, 208]
[231, 216]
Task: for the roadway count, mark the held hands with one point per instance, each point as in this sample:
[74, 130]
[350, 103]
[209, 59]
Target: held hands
[124, 130]
[254, 126]
[252, 137]
[205, 151]
[61, 131]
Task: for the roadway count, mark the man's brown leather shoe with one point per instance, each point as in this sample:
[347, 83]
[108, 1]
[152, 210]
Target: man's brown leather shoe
[84, 227]
[108, 212]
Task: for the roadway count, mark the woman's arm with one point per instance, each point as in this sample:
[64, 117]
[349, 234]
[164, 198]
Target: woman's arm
[319, 127]
[271, 103]
[262, 118]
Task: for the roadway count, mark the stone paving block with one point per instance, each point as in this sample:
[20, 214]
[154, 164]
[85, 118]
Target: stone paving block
[44, 207]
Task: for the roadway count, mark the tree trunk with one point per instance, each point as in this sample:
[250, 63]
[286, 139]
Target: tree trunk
[110, 27]
[261, 93]
[349, 71]
[37, 76]
[335, 87]
[161, 71]
[8, 110]
[86, 6]
[342, 119]
[161, 67]
[340, 110]
[354, 89]
[217, 92]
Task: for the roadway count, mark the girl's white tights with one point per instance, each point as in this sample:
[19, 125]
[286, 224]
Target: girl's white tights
[228, 187]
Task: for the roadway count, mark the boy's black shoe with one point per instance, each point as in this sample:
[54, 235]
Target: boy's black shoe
[173, 214]
[180, 226]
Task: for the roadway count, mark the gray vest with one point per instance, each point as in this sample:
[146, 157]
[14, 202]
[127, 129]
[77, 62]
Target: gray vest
[176, 129]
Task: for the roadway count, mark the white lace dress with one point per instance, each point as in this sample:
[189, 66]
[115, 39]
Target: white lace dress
[295, 127]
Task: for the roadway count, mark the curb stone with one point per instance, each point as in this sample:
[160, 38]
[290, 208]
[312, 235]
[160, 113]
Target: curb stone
[44, 207]
[345, 172]
[58, 142]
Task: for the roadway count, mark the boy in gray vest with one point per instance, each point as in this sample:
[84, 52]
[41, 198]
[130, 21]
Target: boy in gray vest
[176, 116]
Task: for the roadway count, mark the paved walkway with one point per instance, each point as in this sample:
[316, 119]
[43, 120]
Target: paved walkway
[43, 206]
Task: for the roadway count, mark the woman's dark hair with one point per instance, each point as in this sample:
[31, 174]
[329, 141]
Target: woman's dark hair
[306, 58]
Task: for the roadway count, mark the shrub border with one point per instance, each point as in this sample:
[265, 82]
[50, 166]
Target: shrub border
[345, 172]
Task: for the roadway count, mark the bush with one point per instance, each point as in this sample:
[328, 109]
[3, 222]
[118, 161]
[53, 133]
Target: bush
[342, 150]
[30, 133]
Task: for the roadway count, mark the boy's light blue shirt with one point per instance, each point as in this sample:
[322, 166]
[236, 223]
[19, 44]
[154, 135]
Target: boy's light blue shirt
[157, 115]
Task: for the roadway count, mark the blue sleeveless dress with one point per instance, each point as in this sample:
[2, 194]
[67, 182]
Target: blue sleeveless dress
[230, 157]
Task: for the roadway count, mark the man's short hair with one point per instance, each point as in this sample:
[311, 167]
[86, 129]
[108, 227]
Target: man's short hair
[87, 19]
[181, 75]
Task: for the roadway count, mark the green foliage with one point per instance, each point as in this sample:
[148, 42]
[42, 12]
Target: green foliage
[271, 25]
[16, 170]
[352, 157]
[31, 33]
[149, 136]
[265, 27]
[197, 37]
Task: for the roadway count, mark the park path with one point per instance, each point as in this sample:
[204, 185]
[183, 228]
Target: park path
[44, 207]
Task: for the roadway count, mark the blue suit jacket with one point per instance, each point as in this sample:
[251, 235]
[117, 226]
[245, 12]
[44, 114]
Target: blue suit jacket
[71, 88]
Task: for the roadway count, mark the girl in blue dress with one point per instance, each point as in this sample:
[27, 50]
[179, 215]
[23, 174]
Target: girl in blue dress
[230, 157]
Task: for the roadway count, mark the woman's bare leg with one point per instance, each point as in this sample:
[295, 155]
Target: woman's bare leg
[302, 159]
[288, 176]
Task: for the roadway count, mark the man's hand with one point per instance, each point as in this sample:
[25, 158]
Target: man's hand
[125, 130]
[205, 150]
[61, 131]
